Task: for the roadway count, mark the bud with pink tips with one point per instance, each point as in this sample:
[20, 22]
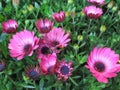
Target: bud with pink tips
[44, 26]
[9, 26]
[59, 17]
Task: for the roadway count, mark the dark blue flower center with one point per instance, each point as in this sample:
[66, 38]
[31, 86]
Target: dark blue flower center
[33, 74]
[54, 43]
[99, 66]
[45, 50]
[27, 48]
[2, 67]
[65, 70]
[11, 29]
[50, 69]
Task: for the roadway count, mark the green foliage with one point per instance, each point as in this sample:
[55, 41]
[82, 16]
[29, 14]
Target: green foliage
[14, 78]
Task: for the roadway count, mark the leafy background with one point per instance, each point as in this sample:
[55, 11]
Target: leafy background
[85, 35]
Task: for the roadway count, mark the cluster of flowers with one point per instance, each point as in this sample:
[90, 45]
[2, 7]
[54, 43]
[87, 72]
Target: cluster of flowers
[102, 62]
[92, 11]
[53, 39]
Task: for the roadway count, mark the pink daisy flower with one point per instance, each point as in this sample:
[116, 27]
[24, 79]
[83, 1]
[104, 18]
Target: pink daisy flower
[57, 38]
[92, 11]
[102, 63]
[33, 72]
[43, 50]
[10, 26]
[48, 64]
[59, 17]
[44, 26]
[64, 70]
[97, 2]
[23, 43]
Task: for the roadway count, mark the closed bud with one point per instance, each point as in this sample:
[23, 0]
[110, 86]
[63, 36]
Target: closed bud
[80, 37]
[103, 28]
[76, 47]
[82, 14]
[110, 5]
[67, 14]
[15, 2]
[30, 7]
[114, 8]
[72, 13]
[119, 12]
[70, 1]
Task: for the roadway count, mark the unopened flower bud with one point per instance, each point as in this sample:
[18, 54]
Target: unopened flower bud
[76, 47]
[82, 14]
[72, 13]
[119, 12]
[66, 14]
[103, 28]
[114, 8]
[30, 7]
[110, 5]
[70, 1]
[15, 2]
[80, 37]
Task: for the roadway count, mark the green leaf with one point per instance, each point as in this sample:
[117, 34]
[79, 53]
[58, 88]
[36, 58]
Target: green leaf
[3, 37]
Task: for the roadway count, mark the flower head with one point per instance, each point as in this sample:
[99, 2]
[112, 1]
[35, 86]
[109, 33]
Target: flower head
[64, 70]
[33, 72]
[57, 38]
[59, 17]
[48, 64]
[23, 43]
[2, 65]
[97, 2]
[102, 63]
[43, 50]
[92, 11]
[44, 26]
[10, 26]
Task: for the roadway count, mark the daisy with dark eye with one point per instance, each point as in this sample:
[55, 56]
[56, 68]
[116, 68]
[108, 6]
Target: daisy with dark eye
[57, 38]
[64, 70]
[23, 43]
[33, 72]
[43, 50]
[2, 65]
[103, 63]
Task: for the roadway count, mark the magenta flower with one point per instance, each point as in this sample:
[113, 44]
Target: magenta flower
[10, 26]
[57, 38]
[2, 65]
[64, 70]
[33, 72]
[23, 43]
[43, 50]
[97, 2]
[48, 64]
[102, 63]
[59, 17]
[92, 11]
[44, 26]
